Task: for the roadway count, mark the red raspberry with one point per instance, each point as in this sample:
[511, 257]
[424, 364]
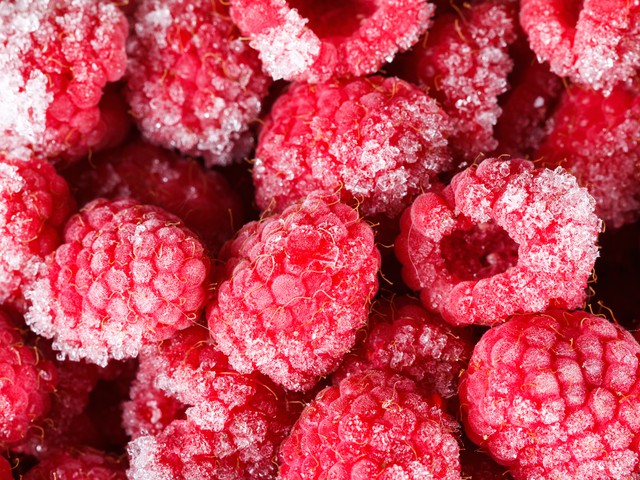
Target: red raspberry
[526, 107]
[127, 275]
[315, 41]
[554, 395]
[5, 469]
[35, 203]
[379, 141]
[229, 426]
[593, 42]
[203, 199]
[193, 83]
[55, 59]
[299, 286]
[75, 463]
[502, 238]
[372, 425]
[596, 139]
[465, 62]
[405, 338]
[26, 384]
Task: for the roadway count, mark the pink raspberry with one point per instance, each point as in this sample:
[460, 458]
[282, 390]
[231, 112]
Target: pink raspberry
[593, 42]
[596, 139]
[464, 60]
[315, 41]
[229, 425]
[26, 384]
[193, 83]
[404, 338]
[372, 425]
[379, 141]
[298, 288]
[503, 238]
[35, 203]
[75, 463]
[554, 395]
[56, 58]
[202, 198]
[127, 275]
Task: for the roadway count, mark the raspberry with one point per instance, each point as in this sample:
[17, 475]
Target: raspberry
[230, 424]
[502, 238]
[592, 42]
[56, 58]
[74, 463]
[525, 108]
[379, 141]
[34, 205]
[372, 425]
[464, 61]
[554, 395]
[298, 288]
[127, 275]
[193, 84]
[203, 199]
[5, 469]
[315, 41]
[26, 384]
[595, 138]
[405, 338]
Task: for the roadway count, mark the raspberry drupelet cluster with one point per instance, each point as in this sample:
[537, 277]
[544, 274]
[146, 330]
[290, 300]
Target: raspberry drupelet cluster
[304, 239]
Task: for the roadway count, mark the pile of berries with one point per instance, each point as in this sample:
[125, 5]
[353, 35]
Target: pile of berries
[300, 239]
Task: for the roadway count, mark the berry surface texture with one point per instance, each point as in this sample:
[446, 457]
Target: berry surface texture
[320, 239]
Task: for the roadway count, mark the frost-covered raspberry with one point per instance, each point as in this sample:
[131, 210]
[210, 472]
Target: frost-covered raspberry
[593, 42]
[298, 288]
[193, 83]
[127, 275]
[75, 463]
[228, 426]
[26, 384]
[464, 61]
[55, 60]
[502, 238]
[315, 41]
[554, 395]
[405, 338]
[379, 141]
[526, 107]
[35, 203]
[203, 199]
[372, 425]
[595, 137]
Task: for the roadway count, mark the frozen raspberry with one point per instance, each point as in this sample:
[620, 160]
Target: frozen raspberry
[299, 286]
[596, 139]
[193, 83]
[127, 275]
[35, 203]
[379, 141]
[405, 338]
[76, 463]
[526, 107]
[464, 60]
[229, 427]
[502, 238]
[55, 59]
[315, 41]
[555, 395]
[203, 199]
[372, 425]
[5, 469]
[593, 42]
[26, 384]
